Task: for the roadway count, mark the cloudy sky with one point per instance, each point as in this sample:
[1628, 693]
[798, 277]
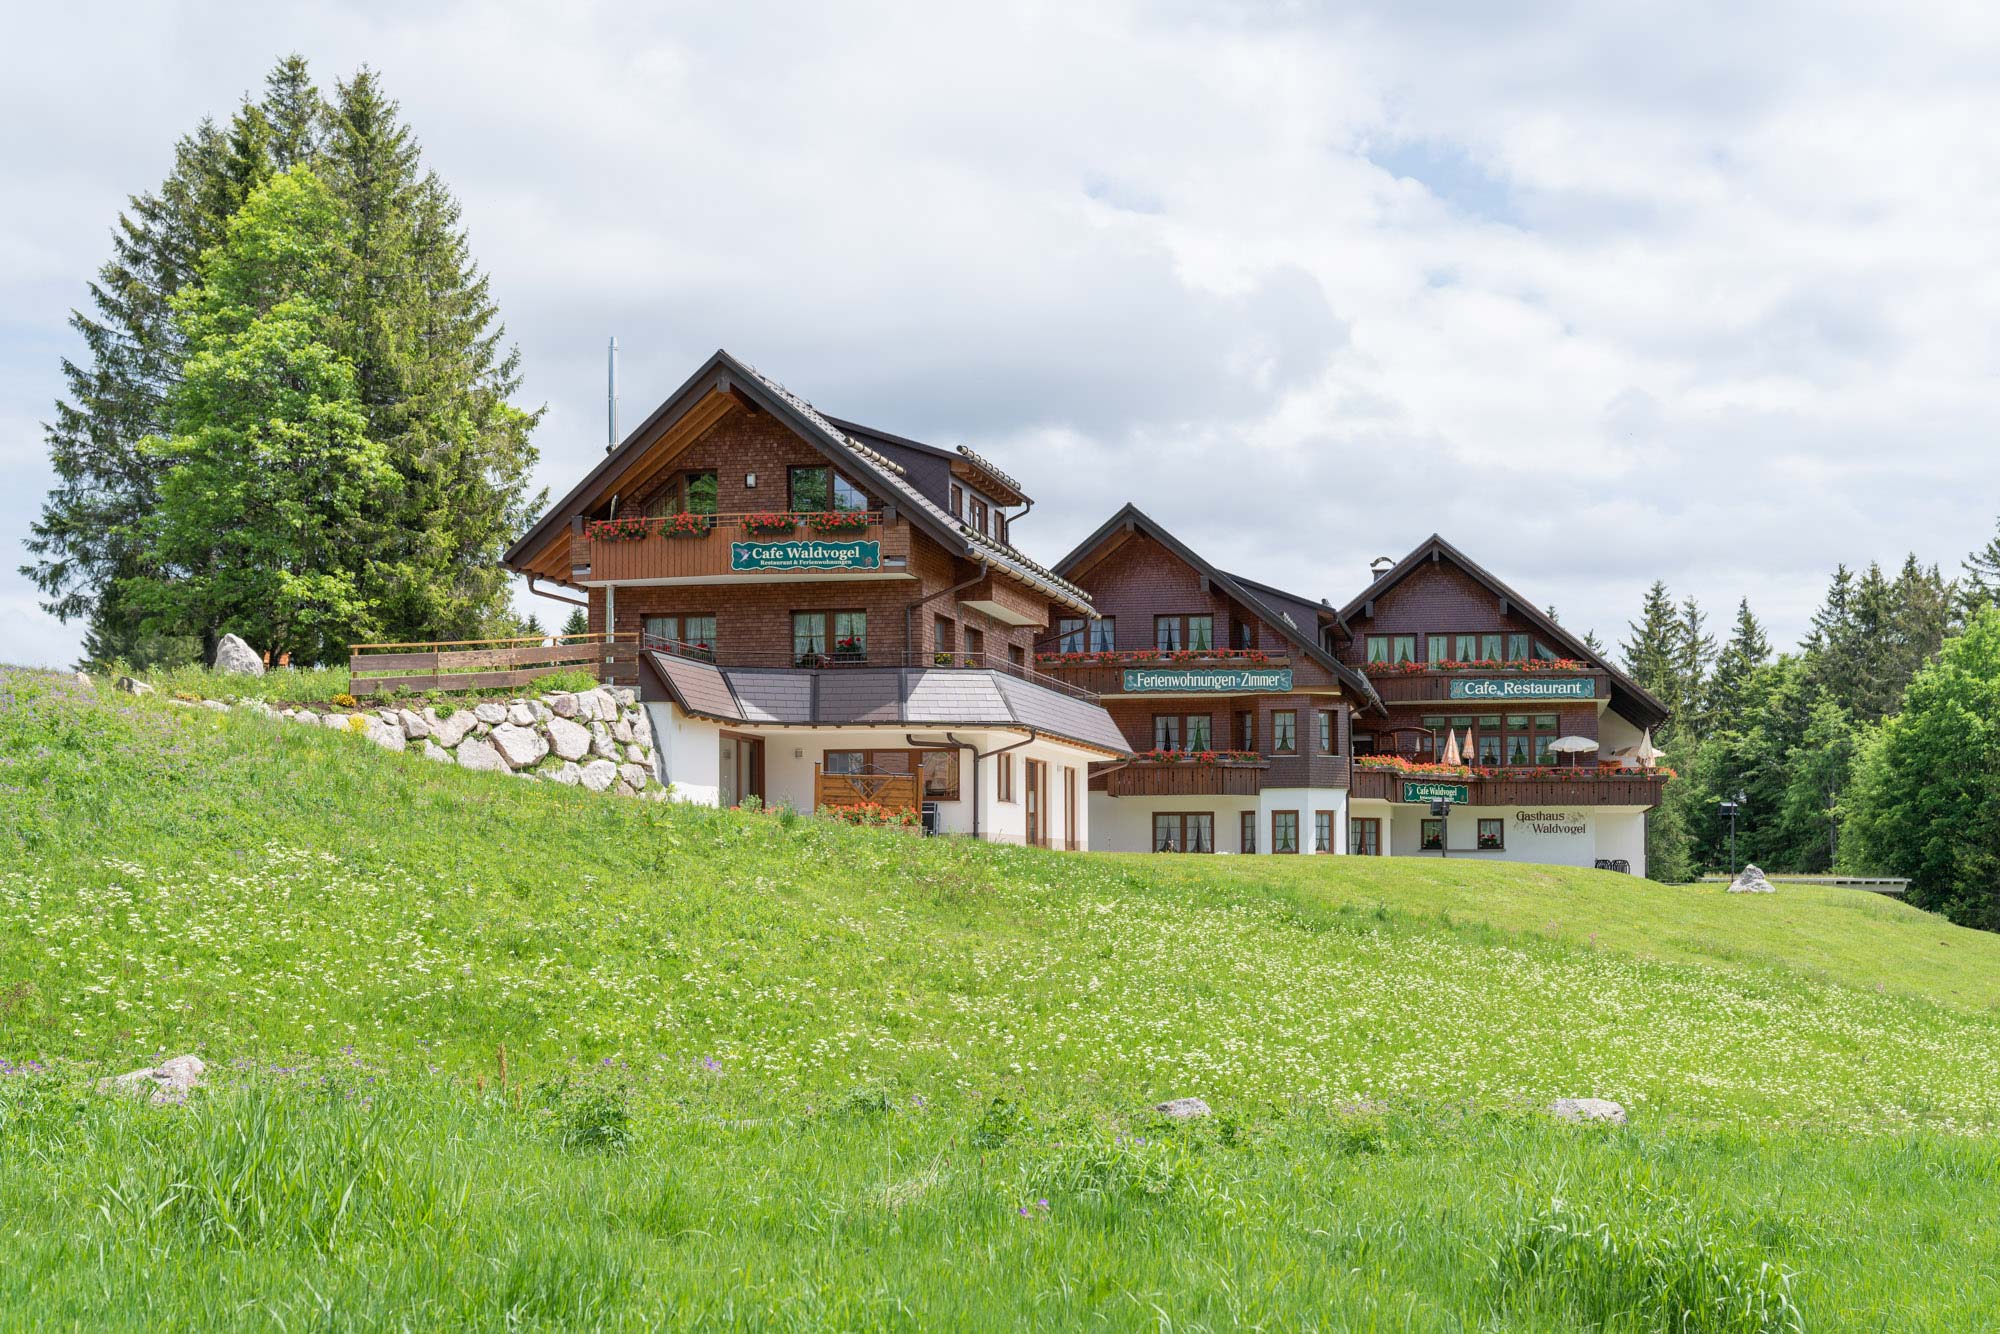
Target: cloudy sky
[1602, 297]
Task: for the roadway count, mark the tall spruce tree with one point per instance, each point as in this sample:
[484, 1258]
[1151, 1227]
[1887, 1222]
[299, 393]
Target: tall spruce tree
[1694, 658]
[1980, 588]
[1748, 649]
[1652, 654]
[416, 321]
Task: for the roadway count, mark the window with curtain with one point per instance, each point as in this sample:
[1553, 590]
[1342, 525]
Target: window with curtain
[850, 636]
[1070, 634]
[808, 637]
[1284, 831]
[1391, 650]
[1166, 732]
[1103, 636]
[1285, 731]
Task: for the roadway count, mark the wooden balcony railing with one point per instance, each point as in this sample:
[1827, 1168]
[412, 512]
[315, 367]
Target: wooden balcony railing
[697, 546]
[1549, 786]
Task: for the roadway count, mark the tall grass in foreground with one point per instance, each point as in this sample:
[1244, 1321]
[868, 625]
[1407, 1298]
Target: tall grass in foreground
[327, 1200]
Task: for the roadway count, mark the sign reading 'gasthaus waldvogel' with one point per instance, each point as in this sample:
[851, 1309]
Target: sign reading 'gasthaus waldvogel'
[1523, 687]
[1205, 680]
[1429, 792]
[807, 555]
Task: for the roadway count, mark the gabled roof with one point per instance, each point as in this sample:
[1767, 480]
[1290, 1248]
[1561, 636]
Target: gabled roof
[724, 372]
[964, 459]
[1644, 707]
[1305, 638]
[884, 697]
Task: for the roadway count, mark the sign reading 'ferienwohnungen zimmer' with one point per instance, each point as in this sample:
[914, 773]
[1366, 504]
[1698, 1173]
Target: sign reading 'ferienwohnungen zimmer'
[805, 555]
[1198, 681]
[1523, 687]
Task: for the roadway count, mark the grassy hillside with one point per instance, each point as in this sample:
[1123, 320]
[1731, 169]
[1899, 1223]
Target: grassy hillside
[766, 1071]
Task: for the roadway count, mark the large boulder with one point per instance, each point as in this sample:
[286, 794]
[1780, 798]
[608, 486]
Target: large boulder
[132, 685]
[1751, 880]
[599, 775]
[337, 722]
[433, 751]
[478, 753]
[519, 714]
[563, 706]
[84, 682]
[569, 775]
[166, 1082]
[1182, 1109]
[450, 731]
[234, 656]
[634, 774]
[1582, 1110]
[621, 732]
[601, 743]
[413, 725]
[389, 736]
[570, 740]
[519, 746]
[490, 713]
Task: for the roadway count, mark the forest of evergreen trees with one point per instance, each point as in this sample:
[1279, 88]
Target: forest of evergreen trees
[1808, 742]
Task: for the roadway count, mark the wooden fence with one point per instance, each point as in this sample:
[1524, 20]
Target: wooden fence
[897, 791]
[490, 664]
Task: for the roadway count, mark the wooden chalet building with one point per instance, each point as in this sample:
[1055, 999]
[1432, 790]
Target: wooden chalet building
[828, 615]
[1237, 715]
[1452, 652]
[1266, 721]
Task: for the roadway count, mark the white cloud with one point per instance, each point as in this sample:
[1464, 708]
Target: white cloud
[1602, 294]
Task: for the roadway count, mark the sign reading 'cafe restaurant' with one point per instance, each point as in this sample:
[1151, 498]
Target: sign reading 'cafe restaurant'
[805, 556]
[1523, 687]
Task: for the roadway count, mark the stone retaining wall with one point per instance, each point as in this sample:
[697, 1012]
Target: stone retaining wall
[597, 739]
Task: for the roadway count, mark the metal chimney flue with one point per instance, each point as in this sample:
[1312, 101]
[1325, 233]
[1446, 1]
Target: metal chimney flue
[611, 396]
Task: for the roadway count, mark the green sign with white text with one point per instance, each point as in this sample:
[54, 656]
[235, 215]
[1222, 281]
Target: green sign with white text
[1425, 793]
[806, 555]
[1523, 687]
[1205, 680]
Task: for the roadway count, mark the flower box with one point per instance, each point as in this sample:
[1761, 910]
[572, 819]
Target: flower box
[770, 524]
[618, 530]
[687, 525]
[1418, 667]
[842, 521]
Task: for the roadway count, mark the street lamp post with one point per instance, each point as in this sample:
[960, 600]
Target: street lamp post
[1442, 810]
[1729, 809]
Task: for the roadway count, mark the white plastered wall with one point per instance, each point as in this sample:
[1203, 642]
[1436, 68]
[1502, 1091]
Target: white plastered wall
[687, 754]
[1125, 824]
[1550, 835]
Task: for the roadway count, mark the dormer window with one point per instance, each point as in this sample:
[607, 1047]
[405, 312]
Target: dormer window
[978, 521]
[957, 501]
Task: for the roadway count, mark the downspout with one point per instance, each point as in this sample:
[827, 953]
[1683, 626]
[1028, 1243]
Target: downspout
[910, 611]
[1034, 734]
[556, 597]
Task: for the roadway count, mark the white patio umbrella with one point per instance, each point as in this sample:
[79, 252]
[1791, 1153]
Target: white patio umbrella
[1647, 754]
[1572, 745]
[1450, 755]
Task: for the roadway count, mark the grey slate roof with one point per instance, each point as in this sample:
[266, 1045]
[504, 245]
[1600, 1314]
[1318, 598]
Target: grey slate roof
[924, 697]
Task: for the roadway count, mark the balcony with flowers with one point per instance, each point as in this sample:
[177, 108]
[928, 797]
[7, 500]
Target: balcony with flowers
[1423, 680]
[1383, 777]
[762, 545]
[1102, 670]
[1170, 772]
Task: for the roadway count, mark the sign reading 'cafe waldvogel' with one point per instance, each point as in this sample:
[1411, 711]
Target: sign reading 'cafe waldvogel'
[805, 555]
[1523, 687]
[1205, 680]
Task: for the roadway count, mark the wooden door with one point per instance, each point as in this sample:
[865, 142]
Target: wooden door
[1036, 798]
[741, 770]
[1069, 808]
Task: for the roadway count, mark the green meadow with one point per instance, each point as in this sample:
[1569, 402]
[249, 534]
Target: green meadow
[492, 1053]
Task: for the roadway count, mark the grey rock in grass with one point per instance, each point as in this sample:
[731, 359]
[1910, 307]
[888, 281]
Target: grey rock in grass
[621, 695]
[133, 686]
[450, 731]
[433, 751]
[571, 740]
[83, 679]
[414, 727]
[237, 658]
[519, 714]
[642, 729]
[638, 754]
[541, 711]
[633, 774]
[569, 775]
[167, 1082]
[1751, 880]
[477, 753]
[601, 744]
[519, 746]
[215, 705]
[599, 775]
[490, 713]
[563, 705]
[621, 732]
[1182, 1109]
[337, 722]
[389, 736]
[1582, 1110]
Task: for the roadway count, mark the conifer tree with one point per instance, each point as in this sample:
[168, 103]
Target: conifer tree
[577, 624]
[1694, 657]
[1652, 655]
[1748, 649]
[1980, 588]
